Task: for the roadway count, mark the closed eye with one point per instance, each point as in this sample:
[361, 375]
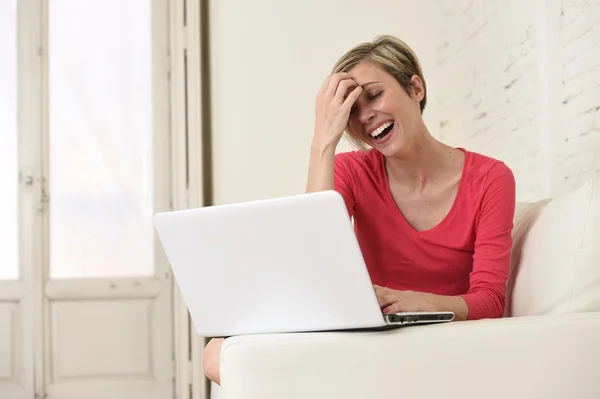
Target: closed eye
[370, 97]
[374, 96]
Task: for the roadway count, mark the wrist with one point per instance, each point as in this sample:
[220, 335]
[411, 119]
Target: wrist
[449, 303]
[431, 302]
[320, 148]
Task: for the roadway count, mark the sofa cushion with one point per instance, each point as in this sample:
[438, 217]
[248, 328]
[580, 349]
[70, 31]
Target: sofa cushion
[559, 268]
[526, 214]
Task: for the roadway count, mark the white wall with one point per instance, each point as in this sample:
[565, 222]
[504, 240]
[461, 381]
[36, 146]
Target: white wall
[520, 80]
[516, 80]
[268, 60]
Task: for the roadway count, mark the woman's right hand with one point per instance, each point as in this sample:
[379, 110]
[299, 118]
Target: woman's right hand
[333, 105]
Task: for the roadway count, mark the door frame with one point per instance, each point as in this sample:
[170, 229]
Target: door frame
[190, 174]
[30, 52]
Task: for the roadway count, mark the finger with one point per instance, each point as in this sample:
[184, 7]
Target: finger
[325, 84]
[379, 290]
[351, 99]
[384, 296]
[343, 90]
[393, 308]
[334, 81]
[386, 300]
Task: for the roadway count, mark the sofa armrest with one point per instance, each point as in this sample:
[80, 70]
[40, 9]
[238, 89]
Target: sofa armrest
[530, 357]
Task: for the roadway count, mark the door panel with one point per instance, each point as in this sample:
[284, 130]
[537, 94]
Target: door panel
[8, 325]
[102, 343]
[122, 351]
[106, 338]
[11, 353]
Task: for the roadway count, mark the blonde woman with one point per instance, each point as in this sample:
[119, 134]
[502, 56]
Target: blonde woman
[433, 221]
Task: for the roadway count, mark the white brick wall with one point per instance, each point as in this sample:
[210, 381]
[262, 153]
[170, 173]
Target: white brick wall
[520, 81]
[577, 140]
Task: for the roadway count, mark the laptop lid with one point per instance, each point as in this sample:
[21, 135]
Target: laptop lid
[286, 264]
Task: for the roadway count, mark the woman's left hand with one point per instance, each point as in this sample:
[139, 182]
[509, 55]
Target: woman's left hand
[392, 301]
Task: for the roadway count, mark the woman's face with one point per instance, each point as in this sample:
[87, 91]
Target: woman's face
[384, 116]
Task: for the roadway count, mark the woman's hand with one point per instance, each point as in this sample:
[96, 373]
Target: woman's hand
[333, 105]
[334, 102]
[392, 301]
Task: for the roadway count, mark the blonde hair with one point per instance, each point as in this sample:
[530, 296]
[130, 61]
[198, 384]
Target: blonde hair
[390, 54]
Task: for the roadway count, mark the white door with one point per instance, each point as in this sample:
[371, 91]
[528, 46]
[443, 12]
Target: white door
[17, 220]
[107, 289]
[85, 290]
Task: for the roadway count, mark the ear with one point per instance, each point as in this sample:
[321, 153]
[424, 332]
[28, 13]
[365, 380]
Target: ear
[417, 88]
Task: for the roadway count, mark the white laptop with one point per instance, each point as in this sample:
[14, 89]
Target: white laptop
[289, 264]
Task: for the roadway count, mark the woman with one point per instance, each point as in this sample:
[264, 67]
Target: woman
[433, 222]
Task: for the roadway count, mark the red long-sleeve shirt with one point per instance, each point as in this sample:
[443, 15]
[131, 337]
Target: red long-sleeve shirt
[467, 254]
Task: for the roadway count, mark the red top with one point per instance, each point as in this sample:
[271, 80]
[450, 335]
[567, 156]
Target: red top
[466, 254]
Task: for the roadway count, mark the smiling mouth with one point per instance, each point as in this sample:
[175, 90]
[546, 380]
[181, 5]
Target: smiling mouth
[382, 131]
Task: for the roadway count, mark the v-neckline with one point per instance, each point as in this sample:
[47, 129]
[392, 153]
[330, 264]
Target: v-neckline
[399, 213]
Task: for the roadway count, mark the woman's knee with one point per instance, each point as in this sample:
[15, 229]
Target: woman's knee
[210, 359]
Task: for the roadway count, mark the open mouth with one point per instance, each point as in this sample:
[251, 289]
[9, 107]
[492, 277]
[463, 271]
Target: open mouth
[382, 131]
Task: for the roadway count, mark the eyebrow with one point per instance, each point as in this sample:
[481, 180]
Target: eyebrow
[366, 84]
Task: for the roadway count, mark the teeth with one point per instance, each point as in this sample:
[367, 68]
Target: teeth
[381, 129]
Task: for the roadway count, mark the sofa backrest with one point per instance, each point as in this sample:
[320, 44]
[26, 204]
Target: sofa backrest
[555, 262]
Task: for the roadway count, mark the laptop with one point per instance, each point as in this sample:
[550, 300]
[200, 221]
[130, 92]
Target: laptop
[280, 265]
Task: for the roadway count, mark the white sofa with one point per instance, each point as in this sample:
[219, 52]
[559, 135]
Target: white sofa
[547, 346]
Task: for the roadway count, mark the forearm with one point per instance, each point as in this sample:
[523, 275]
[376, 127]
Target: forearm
[320, 168]
[485, 304]
[455, 304]
[393, 301]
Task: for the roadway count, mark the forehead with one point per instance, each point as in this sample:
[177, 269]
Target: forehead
[366, 72]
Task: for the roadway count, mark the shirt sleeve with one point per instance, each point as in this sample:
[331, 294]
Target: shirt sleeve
[493, 243]
[343, 181]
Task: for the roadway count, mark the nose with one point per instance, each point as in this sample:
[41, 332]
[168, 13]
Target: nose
[366, 114]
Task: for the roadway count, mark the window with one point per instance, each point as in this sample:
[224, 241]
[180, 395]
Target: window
[101, 141]
[9, 161]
